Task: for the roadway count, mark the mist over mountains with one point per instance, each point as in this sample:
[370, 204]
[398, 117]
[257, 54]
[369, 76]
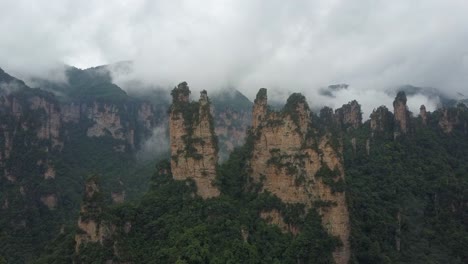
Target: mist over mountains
[233, 131]
[371, 45]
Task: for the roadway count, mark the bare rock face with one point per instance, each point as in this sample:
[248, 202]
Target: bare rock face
[194, 151]
[274, 217]
[381, 120]
[453, 118]
[402, 115]
[50, 127]
[107, 120]
[118, 196]
[38, 113]
[71, 112]
[49, 200]
[91, 228]
[260, 108]
[349, 115]
[49, 172]
[146, 115]
[423, 114]
[289, 159]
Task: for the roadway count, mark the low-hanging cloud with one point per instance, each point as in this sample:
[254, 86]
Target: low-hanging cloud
[157, 145]
[283, 45]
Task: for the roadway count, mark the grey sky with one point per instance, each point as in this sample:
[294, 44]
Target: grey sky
[283, 45]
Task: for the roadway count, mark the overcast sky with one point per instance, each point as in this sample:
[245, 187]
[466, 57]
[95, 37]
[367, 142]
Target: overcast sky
[282, 45]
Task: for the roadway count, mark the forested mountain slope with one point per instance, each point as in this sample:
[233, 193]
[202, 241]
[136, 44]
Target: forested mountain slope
[403, 179]
[238, 183]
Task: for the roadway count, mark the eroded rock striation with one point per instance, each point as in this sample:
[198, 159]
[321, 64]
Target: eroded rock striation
[194, 150]
[299, 165]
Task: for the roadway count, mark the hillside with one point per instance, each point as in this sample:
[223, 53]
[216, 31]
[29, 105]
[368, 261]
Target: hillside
[304, 188]
[56, 136]
[238, 182]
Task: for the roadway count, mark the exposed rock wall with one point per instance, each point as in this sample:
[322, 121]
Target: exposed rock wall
[349, 115]
[423, 114]
[402, 115]
[287, 157]
[106, 121]
[453, 118]
[194, 151]
[50, 126]
[260, 108]
[381, 120]
[91, 229]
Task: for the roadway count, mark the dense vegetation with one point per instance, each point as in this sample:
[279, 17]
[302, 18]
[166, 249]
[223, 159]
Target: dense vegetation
[408, 197]
[171, 225]
[26, 224]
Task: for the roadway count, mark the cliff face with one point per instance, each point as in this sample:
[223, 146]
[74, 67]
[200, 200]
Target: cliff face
[194, 151]
[289, 159]
[381, 120]
[349, 115]
[402, 115]
[423, 114]
[37, 127]
[91, 229]
[31, 133]
[453, 118]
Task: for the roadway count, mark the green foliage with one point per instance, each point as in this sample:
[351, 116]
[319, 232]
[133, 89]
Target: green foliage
[331, 178]
[411, 190]
[171, 225]
[190, 113]
[291, 107]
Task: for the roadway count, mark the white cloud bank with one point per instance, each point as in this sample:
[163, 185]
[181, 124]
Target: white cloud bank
[286, 46]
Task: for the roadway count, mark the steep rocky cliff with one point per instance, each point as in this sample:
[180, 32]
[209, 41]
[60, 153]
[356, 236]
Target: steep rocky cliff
[423, 114]
[452, 118]
[381, 120]
[349, 115]
[402, 115]
[299, 165]
[39, 128]
[194, 146]
[50, 141]
[90, 227]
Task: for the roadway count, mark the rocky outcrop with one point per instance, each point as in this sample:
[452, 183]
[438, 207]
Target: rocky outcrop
[349, 115]
[423, 114]
[401, 113]
[194, 151]
[296, 165]
[274, 217]
[260, 108]
[91, 228]
[381, 120]
[49, 200]
[453, 118]
[50, 126]
[118, 196]
[106, 121]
